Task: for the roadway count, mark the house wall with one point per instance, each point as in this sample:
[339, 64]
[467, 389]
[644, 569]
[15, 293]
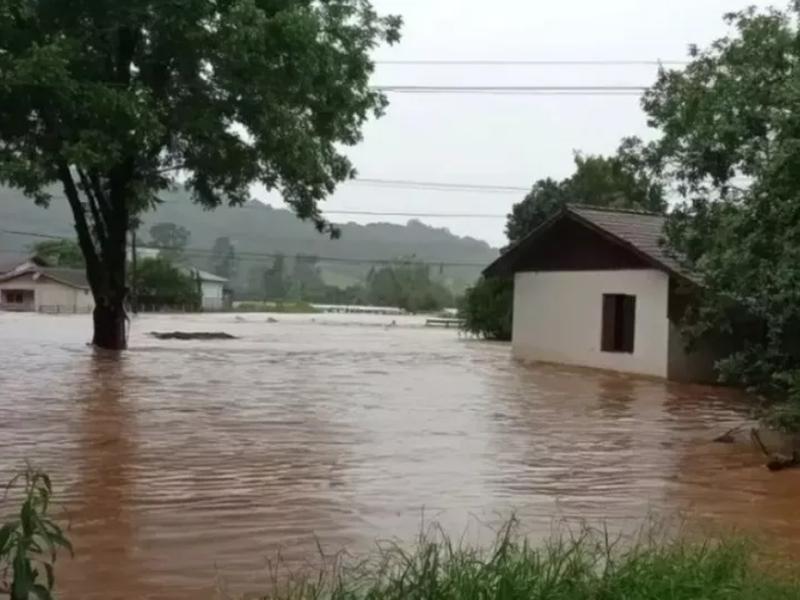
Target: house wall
[51, 296]
[212, 293]
[558, 318]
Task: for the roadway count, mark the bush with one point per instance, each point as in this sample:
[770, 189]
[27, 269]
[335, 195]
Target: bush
[488, 307]
[30, 541]
[586, 566]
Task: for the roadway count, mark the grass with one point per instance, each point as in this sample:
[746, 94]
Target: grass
[586, 566]
[277, 307]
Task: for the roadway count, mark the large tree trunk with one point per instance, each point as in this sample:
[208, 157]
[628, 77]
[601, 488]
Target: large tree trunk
[110, 324]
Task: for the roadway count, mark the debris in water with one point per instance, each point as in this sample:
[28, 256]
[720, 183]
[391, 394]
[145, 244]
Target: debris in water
[193, 335]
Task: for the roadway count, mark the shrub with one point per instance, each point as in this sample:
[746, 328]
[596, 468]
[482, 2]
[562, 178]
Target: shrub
[30, 541]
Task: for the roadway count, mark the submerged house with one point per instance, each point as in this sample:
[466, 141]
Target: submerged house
[213, 289]
[593, 287]
[33, 287]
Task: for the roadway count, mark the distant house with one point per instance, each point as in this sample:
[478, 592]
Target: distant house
[594, 288]
[213, 289]
[32, 287]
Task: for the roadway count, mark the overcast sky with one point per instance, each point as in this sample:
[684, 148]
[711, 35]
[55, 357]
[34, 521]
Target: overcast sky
[511, 140]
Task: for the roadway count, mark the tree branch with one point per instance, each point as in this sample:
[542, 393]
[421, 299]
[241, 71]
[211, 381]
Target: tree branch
[81, 226]
[100, 226]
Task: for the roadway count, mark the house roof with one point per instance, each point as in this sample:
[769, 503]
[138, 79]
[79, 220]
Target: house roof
[205, 275]
[75, 278]
[638, 231]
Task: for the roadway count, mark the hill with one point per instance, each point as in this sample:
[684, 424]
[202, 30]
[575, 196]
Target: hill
[259, 231]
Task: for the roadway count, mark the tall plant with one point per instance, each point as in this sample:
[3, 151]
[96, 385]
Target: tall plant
[30, 541]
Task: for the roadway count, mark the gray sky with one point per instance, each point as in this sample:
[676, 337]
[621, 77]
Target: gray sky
[510, 140]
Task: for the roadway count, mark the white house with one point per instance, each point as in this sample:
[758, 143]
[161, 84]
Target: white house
[594, 288]
[31, 287]
[212, 288]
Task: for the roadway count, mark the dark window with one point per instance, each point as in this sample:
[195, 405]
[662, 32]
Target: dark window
[619, 323]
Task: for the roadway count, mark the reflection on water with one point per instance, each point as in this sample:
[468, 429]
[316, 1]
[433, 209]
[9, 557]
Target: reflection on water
[183, 463]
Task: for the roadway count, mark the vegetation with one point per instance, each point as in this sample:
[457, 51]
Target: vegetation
[60, 253]
[730, 124]
[223, 258]
[30, 541]
[114, 99]
[585, 566]
[170, 238]
[487, 308]
[262, 232]
[628, 179]
[160, 285]
[407, 284]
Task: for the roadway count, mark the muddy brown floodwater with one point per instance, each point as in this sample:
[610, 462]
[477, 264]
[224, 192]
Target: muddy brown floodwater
[186, 465]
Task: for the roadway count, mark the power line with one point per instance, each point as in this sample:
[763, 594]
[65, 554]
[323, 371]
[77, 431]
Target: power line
[543, 63]
[259, 256]
[440, 185]
[533, 90]
[420, 214]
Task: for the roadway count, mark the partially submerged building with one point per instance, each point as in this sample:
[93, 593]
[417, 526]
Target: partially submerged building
[33, 287]
[595, 288]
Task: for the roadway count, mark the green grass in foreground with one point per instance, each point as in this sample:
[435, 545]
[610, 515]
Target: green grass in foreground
[582, 567]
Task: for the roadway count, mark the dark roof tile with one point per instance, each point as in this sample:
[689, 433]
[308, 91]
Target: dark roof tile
[641, 231]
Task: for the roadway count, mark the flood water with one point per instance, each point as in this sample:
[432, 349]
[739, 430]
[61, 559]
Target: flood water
[184, 466]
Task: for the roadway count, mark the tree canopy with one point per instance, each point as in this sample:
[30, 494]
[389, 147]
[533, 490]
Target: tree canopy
[730, 139]
[160, 284]
[114, 99]
[170, 238]
[59, 253]
[626, 179]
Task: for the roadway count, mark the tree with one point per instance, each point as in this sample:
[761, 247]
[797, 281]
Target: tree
[627, 179]
[115, 99]
[223, 258]
[170, 238]
[306, 279]
[163, 285]
[487, 308]
[275, 284]
[61, 253]
[730, 139]
[407, 284]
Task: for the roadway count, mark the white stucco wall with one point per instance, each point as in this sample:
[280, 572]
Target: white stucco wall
[212, 293]
[558, 317]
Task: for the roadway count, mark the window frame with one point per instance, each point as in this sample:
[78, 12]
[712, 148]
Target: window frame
[618, 324]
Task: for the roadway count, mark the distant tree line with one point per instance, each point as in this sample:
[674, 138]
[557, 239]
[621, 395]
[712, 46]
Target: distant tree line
[405, 283]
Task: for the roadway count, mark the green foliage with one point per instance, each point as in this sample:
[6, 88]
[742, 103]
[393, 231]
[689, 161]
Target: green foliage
[160, 284]
[60, 253]
[114, 100]
[223, 258]
[30, 542]
[170, 238]
[784, 416]
[487, 308]
[584, 565]
[730, 138]
[627, 179]
[407, 285]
